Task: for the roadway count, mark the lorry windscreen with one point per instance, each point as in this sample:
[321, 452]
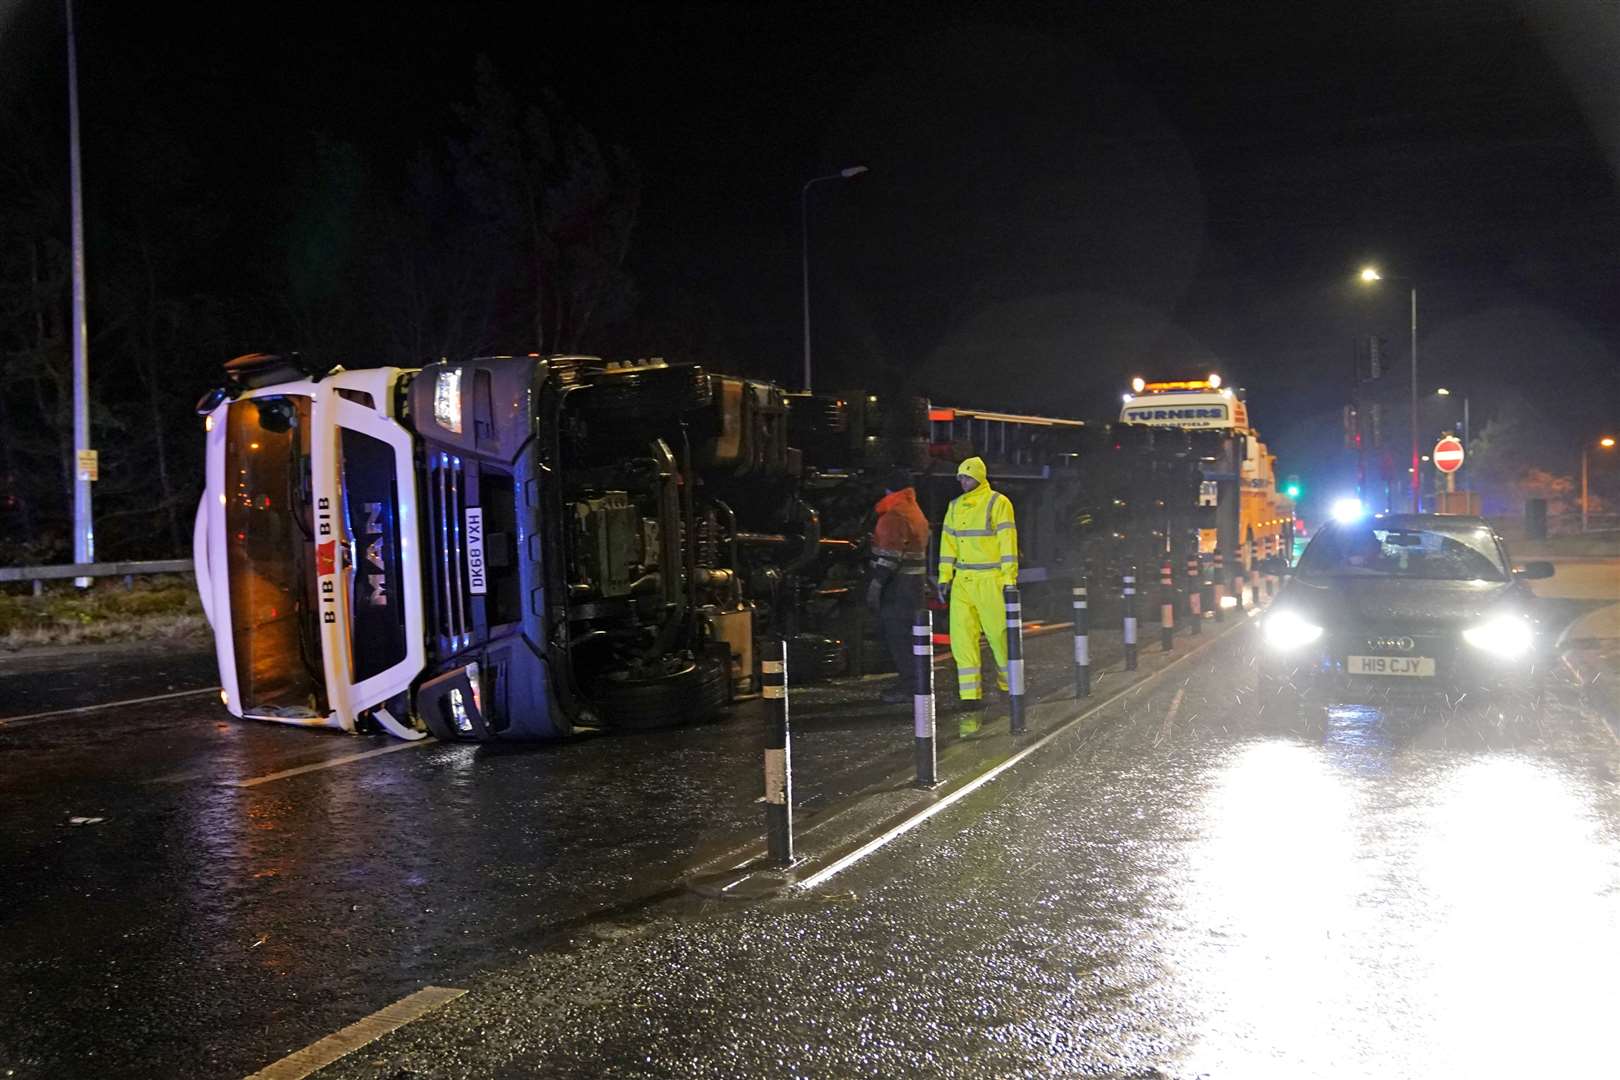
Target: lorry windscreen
[270, 549]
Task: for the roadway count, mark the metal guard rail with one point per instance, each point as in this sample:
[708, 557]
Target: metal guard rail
[40, 574]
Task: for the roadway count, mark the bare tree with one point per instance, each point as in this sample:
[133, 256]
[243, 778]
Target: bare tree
[562, 205]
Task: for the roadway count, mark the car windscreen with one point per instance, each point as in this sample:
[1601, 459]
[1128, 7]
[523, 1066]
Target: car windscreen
[269, 544]
[1378, 549]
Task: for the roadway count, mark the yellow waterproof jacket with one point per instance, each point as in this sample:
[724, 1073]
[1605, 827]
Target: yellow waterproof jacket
[979, 532]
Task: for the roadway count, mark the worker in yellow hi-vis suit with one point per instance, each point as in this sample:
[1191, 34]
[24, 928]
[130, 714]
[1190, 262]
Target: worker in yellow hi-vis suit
[978, 555]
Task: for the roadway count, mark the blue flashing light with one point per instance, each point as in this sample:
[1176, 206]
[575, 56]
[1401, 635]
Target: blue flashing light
[1347, 510]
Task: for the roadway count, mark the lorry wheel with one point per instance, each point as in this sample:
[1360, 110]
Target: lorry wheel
[814, 658]
[692, 692]
[650, 392]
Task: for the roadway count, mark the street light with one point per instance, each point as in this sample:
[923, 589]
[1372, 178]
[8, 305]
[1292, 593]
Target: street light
[1370, 276]
[1467, 430]
[1605, 443]
[84, 456]
[804, 235]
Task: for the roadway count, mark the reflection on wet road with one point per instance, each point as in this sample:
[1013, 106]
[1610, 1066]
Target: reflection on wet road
[227, 906]
[1440, 915]
[1212, 885]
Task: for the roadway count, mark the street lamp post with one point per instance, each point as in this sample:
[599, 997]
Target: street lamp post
[1369, 275]
[1607, 443]
[84, 534]
[804, 251]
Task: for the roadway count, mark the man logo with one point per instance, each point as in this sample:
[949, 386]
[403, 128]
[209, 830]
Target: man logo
[377, 574]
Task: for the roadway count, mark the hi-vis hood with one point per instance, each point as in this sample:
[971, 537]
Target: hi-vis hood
[974, 467]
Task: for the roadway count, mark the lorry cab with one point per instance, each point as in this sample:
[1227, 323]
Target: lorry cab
[503, 547]
[301, 548]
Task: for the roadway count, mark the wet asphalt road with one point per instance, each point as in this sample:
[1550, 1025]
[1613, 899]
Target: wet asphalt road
[45, 680]
[200, 928]
[1208, 885]
[205, 929]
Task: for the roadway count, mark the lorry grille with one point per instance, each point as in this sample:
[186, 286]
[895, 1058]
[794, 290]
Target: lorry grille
[447, 499]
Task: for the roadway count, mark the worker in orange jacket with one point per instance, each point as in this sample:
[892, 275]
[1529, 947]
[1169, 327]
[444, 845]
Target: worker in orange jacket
[897, 584]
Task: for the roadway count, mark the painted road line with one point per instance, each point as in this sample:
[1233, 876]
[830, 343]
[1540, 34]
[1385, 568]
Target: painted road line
[318, 1055]
[7, 721]
[883, 839]
[334, 763]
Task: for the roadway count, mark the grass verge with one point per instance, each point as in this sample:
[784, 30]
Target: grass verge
[155, 609]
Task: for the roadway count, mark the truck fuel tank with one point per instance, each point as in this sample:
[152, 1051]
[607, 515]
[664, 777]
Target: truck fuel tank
[735, 627]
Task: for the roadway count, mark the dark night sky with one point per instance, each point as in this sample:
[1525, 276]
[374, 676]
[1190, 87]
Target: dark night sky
[1061, 195]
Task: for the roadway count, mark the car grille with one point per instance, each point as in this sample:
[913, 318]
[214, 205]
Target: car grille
[446, 504]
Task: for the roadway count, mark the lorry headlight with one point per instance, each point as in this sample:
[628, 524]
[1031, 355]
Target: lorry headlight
[447, 400]
[458, 711]
[1285, 630]
[458, 702]
[1505, 636]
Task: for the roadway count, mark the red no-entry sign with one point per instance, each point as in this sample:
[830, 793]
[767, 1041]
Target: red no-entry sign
[1448, 455]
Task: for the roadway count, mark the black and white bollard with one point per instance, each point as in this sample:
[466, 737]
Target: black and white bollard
[922, 698]
[1239, 584]
[1167, 606]
[773, 687]
[1195, 599]
[1129, 588]
[1254, 572]
[1082, 640]
[1220, 585]
[1265, 558]
[1015, 657]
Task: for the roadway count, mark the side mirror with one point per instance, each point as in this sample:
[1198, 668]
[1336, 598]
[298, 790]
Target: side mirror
[211, 400]
[1533, 571]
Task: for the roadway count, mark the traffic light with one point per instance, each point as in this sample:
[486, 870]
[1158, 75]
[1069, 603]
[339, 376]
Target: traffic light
[1292, 488]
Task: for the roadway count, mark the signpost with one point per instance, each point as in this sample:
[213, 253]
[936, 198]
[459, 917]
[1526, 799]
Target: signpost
[1448, 454]
[1448, 458]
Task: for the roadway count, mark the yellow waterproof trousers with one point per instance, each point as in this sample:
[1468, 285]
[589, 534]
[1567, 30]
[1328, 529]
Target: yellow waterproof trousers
[977, 605]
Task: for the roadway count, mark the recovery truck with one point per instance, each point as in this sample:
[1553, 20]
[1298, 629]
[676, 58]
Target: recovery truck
[1247, 517]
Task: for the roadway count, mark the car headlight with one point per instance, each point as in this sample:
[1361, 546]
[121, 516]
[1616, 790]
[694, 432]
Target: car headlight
[1284, 630]
[1506, 636]
[447, 400]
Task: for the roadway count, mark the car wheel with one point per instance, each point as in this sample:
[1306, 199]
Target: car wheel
[689, 692]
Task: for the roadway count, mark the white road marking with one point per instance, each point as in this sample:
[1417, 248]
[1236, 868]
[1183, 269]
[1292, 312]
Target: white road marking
[332, 764]
[319, 1054]
[9, 721]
